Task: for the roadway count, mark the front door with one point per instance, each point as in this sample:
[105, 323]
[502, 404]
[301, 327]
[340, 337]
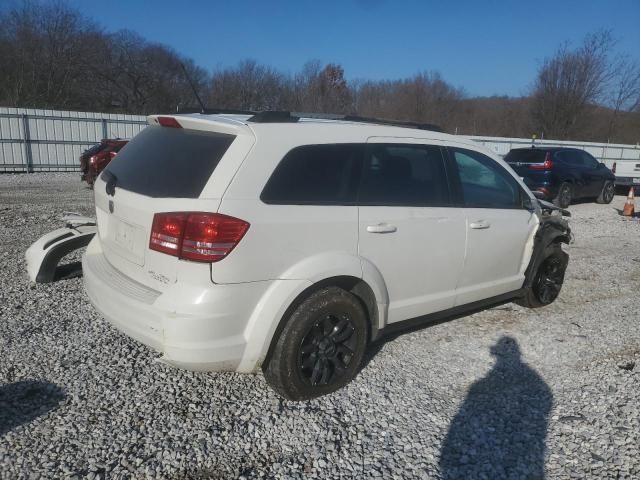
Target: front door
[499, 228]
[408, 229]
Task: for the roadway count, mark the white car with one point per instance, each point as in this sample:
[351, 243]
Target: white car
[237, 242]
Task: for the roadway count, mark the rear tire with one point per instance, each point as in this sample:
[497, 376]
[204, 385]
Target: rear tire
[607, 193]
[321, 346]
[547, 281]
[564, 196]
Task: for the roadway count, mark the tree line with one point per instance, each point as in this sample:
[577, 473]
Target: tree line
[53, 57]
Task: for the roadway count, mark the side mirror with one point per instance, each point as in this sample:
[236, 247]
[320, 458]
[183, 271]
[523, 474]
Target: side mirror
[602, 165]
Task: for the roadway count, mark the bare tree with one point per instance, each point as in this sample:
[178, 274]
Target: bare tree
[249, 86]
[425, 97]
[624, 94]
[569, 82]
[53, 57]
[42, 47]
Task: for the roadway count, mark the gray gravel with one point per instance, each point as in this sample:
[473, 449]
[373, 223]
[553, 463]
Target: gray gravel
[505, 393]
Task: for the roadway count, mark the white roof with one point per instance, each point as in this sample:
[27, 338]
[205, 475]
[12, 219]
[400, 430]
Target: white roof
[320, 129]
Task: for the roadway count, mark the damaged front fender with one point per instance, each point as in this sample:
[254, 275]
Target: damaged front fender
[553, 231]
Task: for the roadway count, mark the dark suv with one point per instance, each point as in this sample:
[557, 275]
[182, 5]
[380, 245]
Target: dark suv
[563, 174]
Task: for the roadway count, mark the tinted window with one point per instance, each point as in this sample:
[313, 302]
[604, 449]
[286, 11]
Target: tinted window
[93, 150]
[577, 159]
[169, 162]
[316, 175]
[114, 147]
[404, 175]
[530, 155]
[588, 161]
[484, 182]
[569, 158]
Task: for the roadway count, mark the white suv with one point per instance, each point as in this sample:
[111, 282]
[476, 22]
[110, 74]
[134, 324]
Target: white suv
[237, 242]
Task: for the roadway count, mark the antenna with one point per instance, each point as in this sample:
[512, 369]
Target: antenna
[195, 92]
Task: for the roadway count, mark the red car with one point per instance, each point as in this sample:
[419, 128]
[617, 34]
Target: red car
[96, 158]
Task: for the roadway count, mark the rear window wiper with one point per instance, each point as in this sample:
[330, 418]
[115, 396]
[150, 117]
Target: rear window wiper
[111, 180]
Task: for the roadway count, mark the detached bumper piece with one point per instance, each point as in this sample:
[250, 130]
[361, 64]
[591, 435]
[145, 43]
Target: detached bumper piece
[45, 253]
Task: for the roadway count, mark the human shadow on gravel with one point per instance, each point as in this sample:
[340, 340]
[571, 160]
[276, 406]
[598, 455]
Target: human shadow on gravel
[500, 429]
[22, 402]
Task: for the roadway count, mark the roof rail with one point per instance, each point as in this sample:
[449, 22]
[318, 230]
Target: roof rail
[273, 116]
[215, 111]
[288, 117]
[393, 123]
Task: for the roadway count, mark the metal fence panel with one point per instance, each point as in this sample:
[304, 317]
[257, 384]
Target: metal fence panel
[33, 140]
[52, 140]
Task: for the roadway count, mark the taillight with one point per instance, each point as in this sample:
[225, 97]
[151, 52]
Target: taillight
[201, 237]
[169, 122]
[166, 232]
[547, 165]
[613, 168]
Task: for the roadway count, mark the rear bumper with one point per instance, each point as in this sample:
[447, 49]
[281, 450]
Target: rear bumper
[627, 181]
[197, 327]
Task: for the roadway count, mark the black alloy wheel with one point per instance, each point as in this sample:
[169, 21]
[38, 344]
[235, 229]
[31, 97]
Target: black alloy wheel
[549, 280]
[327, 349]
[320, 346]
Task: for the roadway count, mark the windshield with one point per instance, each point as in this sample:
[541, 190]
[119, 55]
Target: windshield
[530, 155]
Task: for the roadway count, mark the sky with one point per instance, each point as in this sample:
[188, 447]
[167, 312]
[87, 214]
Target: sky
[486, 47]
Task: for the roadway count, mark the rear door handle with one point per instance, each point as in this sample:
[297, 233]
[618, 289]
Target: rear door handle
[480, 225]
[381, 228]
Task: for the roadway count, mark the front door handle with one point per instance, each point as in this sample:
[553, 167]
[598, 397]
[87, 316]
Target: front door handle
[381, 228]
[480, 225]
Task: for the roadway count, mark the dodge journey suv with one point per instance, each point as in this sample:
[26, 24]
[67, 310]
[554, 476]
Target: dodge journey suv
[287, 244]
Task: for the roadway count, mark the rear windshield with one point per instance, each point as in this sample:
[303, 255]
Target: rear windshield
[93, 150]
[169, 162]
[530, 155]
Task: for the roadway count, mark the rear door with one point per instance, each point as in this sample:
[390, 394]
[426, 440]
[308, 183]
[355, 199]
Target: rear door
[160, 170]
[594, 174]
[408, 228]
[576, 172]
[498, 227]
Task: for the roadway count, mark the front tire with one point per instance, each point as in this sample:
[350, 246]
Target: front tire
[607, 193]
[564, 196]
[321, 346]
[547, 281]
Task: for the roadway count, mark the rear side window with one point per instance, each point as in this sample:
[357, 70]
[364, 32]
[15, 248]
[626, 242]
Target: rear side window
[530, 155]
[484, 182]
[316, 175]
[568, 157]
[169, 162]
[587, 160]
[410, 175]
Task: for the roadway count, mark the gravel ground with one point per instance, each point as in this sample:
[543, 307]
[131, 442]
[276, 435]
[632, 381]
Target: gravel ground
[505, 393]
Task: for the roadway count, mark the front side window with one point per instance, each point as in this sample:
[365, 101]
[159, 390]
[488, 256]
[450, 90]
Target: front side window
[316, 175]
[484, 182]
[404, 174]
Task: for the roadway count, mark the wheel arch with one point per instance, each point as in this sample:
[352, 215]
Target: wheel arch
[354, 285]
